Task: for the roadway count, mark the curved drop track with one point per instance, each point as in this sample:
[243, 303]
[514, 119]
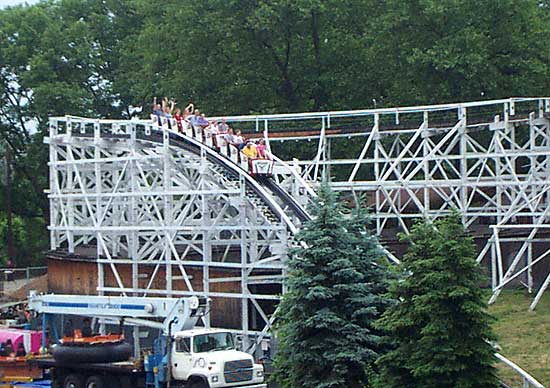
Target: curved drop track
[280, 203]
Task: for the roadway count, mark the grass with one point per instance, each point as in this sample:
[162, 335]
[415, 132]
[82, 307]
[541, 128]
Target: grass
[523, 335]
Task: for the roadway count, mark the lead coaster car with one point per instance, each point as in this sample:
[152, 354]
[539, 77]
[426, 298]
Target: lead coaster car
[96, 349]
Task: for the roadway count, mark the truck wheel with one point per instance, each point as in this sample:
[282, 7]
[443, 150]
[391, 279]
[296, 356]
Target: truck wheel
[196, 384]
[73, 381]
[112, 382]
[57, 379]
[57, 382]
[95, 382]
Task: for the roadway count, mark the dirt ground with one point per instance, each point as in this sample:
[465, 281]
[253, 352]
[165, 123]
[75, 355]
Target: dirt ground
[18, 291]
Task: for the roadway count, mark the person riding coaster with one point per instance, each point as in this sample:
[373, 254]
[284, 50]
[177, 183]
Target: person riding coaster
[251, 156]
[255, 157]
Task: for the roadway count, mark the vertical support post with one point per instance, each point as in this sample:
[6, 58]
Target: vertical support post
[501, 165]
[44, 330]
[397, 163]
[497, 159]
[133, 239]
[529, 269]
[132, 216]
[425, 119]
[53, 179]
[69, 127]
[532, 146]
[493, 266]
[137, 345]
[328, 157]
[206, 226]
[512, 107]
[167, 202]
[115, 208]
[462, 132]
[244, 264]
[378, 210]
[500, 268]
[252, 251]
[514, 147]
[71, 171]
[426, 166]
[98, 184]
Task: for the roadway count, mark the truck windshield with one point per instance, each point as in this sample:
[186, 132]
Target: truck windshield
[212, 342]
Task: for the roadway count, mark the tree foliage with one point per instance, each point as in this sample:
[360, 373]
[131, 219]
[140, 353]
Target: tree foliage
[245, 56]
[445, 50]
[440, 328]
[335, 293]
[27, 238]
[56, 58]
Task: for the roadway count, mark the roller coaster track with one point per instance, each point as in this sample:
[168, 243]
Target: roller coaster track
[265, 188]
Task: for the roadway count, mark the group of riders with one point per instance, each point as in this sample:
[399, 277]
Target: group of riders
[219, 134]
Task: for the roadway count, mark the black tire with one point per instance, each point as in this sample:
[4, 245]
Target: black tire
[96, 382]
[113, 382]
[197, 383]
[100, 353]
[73, 381]
[57, 378]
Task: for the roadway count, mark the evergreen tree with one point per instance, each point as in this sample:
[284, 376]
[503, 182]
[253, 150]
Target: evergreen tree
[336, 287]
[440, 327]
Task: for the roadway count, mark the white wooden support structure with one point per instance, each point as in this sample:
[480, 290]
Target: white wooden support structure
[165, 206]
[159, 206]
[488, 159]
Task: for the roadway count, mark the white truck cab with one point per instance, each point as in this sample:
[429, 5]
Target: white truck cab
[208, 358]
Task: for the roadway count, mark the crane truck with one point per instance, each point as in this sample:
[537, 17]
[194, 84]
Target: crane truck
[182, 356]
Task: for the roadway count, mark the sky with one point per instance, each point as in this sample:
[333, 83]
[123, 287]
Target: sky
[6, 3]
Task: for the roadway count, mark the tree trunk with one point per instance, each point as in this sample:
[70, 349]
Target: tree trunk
[9, 215]
[319, 95]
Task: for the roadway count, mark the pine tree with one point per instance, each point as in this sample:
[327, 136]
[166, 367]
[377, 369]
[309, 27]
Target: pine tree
[335, 294]
[440, 328]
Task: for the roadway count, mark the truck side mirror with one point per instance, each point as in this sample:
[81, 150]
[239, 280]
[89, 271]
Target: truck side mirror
[238, 340]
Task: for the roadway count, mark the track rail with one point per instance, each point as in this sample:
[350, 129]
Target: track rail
[266, 189]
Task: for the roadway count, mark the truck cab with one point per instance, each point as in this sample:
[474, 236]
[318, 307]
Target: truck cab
[208, 358]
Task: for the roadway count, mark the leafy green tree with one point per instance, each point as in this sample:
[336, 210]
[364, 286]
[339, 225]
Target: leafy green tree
[335, 293]
[249, 56]
[56, 58]
[28, 239]
[443, 50]
[440, 328]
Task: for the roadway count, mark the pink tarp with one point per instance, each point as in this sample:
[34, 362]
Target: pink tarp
[31, 339]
